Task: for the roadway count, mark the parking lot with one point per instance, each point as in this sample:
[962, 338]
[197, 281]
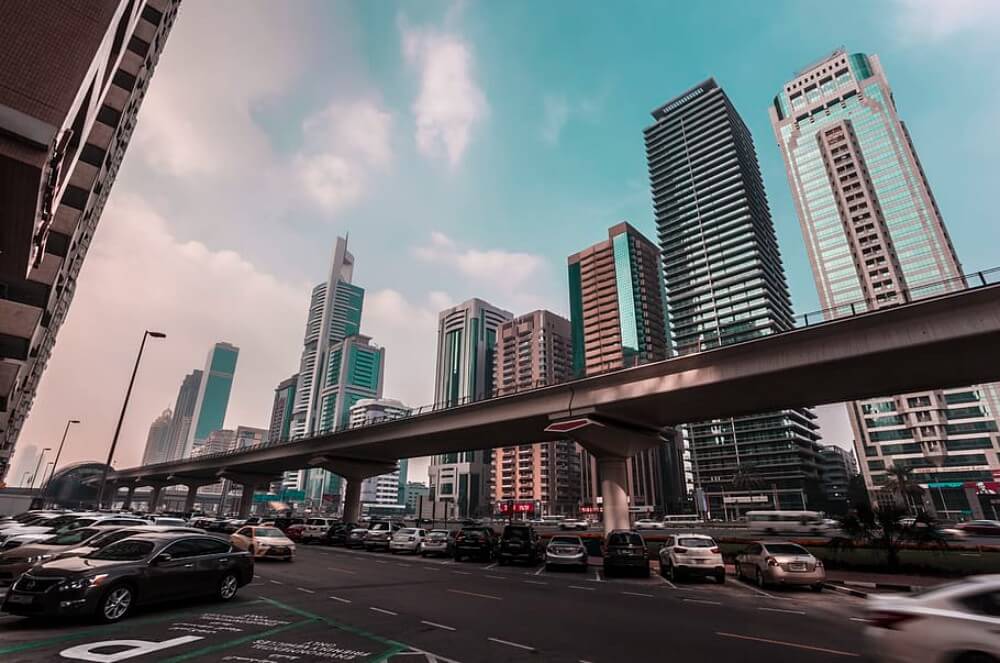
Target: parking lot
[336, 604]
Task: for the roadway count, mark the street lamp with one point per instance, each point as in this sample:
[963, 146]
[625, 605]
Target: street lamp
[34, 475]
[55, 463]
[121, 417]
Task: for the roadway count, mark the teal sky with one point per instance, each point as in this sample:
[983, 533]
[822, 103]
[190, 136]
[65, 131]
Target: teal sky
[467, 148]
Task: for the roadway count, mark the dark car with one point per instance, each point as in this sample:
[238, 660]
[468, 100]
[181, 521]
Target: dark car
[478, 542]
[285, 522]
[519, 543]
[625, 550]
[145, 568]
[981, 527]
[337, 534]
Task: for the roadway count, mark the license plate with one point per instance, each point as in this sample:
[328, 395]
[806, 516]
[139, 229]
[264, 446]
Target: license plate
[700, 561]
[20, 598]
[797, 566]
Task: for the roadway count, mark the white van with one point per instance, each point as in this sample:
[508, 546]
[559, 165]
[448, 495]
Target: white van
[780, 522]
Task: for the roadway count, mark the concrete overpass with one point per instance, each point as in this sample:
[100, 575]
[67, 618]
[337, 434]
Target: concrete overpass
[946, 341]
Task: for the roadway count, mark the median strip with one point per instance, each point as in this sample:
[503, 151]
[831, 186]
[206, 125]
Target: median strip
[787, 644]
[511, 644]
[481, 596]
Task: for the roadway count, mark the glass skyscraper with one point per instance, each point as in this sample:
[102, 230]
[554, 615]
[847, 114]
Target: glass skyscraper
[725, 284]
[875, 238]
[213, 395]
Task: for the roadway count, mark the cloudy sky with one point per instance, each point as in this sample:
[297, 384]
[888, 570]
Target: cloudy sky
[467, 148]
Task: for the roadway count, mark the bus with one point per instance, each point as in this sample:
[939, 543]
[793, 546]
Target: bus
[683, 519]
[779, 522]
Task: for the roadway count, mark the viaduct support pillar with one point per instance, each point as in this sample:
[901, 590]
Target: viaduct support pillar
[352, 501]
[129, 493]
[613, 473]
[249, 482]
[154, 498]
[354, 472]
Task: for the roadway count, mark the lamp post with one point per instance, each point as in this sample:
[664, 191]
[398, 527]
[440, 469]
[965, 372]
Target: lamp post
[121, 417]
[55, 463]
[34, 475]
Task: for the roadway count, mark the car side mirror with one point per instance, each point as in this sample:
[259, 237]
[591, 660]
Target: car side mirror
[162, 558]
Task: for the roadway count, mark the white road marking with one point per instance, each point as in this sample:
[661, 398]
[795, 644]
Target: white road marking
[541, 569]
[491, 566]
[597, 575]
[402, 564]
[497, 577]
[535, 582]
[747, 587]
[858, 619]
[792, 612]
[669, 584]
[307, 591]
[482, 596]
[276, 582]
[462, 573]
[637, 594]
[787, 644]
[337, 598]
[586, 589]
[381, 561]
[384, 612]
[701, 601]
[334, 568]
[431, 568]
[436, 625]
[511, 644]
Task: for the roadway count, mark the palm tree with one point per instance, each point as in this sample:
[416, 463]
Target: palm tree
[748, 479]
[901, 484]
[888, 528]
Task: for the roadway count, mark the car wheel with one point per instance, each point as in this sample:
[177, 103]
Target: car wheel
[227, 587]
[671, 572]
[739, 571]
[548, 567]
[817, 587]
[115, 604]
[759, 578]
[975, 657]
[251, 551]
[720, 577]
[458, 558]
[501, 561]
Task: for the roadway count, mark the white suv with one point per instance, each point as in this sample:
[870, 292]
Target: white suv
[315, 528]
[691, 554]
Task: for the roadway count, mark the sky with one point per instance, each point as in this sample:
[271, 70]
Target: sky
[466, 148]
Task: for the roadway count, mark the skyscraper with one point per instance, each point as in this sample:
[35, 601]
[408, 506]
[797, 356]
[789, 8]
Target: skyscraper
[389, 488]
[725, 283]
[535, 350]
[213, 395]
[875, 238]
[618, 320]
[467, 338]
[838, 467]
[281, 410]
[72, 81]
[157, 440]
[180, 421]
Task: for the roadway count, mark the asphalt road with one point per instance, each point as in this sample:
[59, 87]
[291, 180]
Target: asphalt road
[331, 604]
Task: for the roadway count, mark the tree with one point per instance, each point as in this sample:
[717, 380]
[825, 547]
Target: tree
[748, 479]
[901, 484]
[888, 527]
[857, 493]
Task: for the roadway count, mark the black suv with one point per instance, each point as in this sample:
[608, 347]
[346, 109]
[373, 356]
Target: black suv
[519, 543]
[625, 550]
[479, 542]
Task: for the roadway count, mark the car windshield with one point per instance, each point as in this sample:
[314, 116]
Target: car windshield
[785, 549]
[438, 535]
[110, 537]
[170, 521]
[408, 531]
[71, 538]
[565, 540]
[625, 539]
[517, 533]
[83, 522]
[316, 521]
[124, 551]
[60, 521]
[696, 543]
[268, 531]
[378, 527]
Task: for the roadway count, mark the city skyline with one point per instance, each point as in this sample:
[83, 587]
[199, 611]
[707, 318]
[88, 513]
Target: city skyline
[429, 252]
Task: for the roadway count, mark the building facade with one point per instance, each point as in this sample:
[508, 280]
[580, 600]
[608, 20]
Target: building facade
[157, 441]
[180, 421]
[213, 395]
[838, 467]
[217, 442]
[725, 283]
[618, 319]
[385, 489]
[72, 82]
[534, 350]
[467, 339]
[248, 437]
[416, 494]
[281, 410]
[875, 238]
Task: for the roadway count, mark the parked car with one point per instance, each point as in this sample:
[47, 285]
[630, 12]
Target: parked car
[263, 542]
[780, 563]
[294, 531]
[957, 622]
[573, 524]
[145, 568]
[407, 539]
[980, 527]
[356, 538]
[438, 542]
[314, 529]
[337, 534]
[475, 541]
[379, 534]
[170, 521]
[15, 562]
[519, 543]
[685, 555]
[649, 523]
[15, 539]
[565, 550]
[625, 550]
[112, 534]
[284, 522]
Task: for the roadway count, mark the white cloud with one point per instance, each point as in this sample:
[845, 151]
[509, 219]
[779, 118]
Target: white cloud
[507, 269]
[408, 331]
[555, 118]
[941, 19]
[450, 102]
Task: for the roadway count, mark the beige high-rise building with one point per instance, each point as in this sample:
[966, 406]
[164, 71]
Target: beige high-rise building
[534, 350]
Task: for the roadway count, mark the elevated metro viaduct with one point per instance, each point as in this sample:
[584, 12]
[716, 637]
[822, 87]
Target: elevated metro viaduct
[947, 341]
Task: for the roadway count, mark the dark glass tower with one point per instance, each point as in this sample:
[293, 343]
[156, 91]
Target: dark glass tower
[726, 284]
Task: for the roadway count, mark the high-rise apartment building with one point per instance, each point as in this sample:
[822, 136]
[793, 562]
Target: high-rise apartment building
[248, 437]
[618, 320]
[875, 238]
[416, 494]
[281, 410]
[838, 467]
[157, 441]
[217, 442]
[534, 350]
[725, 283]
[72, 79]
[180, 421]
[213, 395]
[390, 488]
[467, 339]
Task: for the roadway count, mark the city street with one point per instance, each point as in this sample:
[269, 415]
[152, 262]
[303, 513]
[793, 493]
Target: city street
[337, 604]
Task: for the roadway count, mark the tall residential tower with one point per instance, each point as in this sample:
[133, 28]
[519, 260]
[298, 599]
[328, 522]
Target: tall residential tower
[213, 395]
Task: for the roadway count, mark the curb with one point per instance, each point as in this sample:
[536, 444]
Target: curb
[876, 586]
[846, 590]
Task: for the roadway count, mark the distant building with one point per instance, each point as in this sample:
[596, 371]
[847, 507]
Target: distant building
[180, 421]
[416, 492]
[385, 489]
[213, 395]
[281, 410]
[248, 437]
[467, 339]
[534, 350]
[157, 440]
[218, 441]
[837, 467]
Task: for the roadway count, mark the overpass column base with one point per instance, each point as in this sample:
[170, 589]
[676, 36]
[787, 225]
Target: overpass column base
[613, 473]
[246, 500]
[192, 493]
[127, 502]
[154, 499]
[352, 500]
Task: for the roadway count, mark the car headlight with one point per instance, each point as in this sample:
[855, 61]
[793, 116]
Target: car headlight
[35, 559]
[83, 583]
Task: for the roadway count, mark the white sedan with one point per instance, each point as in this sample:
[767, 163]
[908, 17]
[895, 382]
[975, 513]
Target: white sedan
[407, 539]
[264, 542]
[957, 621]
[648, 523]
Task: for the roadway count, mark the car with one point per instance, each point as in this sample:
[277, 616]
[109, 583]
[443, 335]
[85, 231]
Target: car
[573, 524]
[15, 562]
[980, 527]
[15, 538]
[955, 622]
[356, 538]
[780, 563]
[284, 522]
[649, 523]
[684, 555]
[564, 550]
[337, 534]
[519, 543]
[314, 529]
[475, 541]
[438, 542]
[294, 530]
[262, 541]
[111, 534]
[625, 550]
[407, 539]
[169, 521]
[379, 533]
[145, 568]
